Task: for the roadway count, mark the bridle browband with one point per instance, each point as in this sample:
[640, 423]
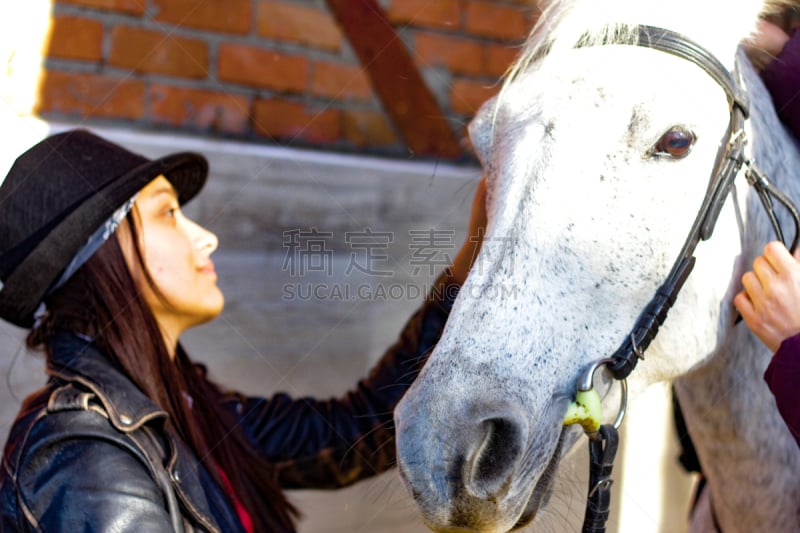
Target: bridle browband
[603, 442]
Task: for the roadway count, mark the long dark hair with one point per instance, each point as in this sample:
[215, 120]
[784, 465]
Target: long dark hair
[126, 330]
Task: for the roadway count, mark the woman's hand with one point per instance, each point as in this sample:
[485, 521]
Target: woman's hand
[477, 225]
[766, 44]
[770, 301]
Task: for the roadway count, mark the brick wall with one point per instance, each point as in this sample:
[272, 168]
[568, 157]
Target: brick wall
[266, 70]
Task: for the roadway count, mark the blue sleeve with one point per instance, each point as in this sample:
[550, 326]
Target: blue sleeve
[333, 443]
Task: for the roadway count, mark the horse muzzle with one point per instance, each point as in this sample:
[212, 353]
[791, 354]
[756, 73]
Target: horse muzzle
[476, 467]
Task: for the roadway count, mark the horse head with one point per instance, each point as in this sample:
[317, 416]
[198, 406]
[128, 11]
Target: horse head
[598, 156]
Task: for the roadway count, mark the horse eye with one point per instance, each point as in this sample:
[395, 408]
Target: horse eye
[676, 143]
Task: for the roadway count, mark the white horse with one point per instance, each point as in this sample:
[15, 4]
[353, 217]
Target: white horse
[589, 207]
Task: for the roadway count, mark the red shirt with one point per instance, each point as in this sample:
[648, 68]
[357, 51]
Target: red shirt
[244, 516]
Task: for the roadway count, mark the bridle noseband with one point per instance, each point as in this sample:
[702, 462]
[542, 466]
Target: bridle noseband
[603, 438]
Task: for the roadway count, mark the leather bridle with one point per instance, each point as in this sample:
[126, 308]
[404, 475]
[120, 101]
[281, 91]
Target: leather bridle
[603, 441]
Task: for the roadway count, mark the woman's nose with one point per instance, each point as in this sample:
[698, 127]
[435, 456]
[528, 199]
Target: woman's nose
[205, 240]
[210, 241]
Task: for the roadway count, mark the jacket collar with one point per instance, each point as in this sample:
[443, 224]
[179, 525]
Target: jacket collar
[76, 359]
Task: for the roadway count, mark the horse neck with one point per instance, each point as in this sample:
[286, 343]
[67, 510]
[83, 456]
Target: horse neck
[730, 412]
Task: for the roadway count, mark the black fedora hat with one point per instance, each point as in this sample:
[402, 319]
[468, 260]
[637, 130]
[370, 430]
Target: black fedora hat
[57, 194]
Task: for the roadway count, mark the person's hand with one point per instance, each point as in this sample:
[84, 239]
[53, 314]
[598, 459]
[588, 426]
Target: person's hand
[766, 44]
[477, 225]
[770, 301]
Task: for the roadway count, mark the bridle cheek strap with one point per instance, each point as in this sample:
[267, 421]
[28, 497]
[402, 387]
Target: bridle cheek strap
[603, 442]
[725, 171]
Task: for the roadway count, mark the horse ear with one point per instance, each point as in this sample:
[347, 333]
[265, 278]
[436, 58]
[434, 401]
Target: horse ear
[480, 130]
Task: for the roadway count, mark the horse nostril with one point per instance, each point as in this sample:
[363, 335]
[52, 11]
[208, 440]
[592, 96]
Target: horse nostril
[494, 460]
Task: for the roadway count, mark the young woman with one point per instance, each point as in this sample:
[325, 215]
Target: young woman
[98, 260]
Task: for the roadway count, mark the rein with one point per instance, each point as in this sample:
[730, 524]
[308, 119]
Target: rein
[585, 410]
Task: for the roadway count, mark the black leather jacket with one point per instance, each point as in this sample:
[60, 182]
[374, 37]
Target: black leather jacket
[90, 452]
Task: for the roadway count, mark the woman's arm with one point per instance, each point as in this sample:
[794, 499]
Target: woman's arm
[477, 225]
[330, 444]
[333, 443]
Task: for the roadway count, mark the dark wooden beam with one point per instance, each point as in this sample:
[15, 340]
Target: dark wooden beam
[406, 98]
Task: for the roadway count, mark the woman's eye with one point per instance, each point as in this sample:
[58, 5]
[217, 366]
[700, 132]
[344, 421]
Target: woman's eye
[676, 143]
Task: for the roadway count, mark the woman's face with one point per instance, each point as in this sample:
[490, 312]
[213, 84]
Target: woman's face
[177, 254]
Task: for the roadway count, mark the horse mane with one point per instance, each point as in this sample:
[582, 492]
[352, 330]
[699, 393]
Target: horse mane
[564, 24]
[555, 31]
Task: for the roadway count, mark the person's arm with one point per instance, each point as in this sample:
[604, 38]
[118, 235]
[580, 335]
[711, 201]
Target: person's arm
[770, 306]
[783, 378]
[477, 225]
[330, 444]
[333, 443]
[770, 300]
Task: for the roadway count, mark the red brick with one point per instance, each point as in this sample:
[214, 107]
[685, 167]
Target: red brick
[498, 21]
[434, 13]
[466, 96]
[367, 128]
[461, 56]
[293, 121]
[91, 95]
[199, 109]
[298, 24]
[76, 38]
[156, 52]
[340, 82]
[132, 7]
[269, 69]
[497, 58]
[228, 16]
